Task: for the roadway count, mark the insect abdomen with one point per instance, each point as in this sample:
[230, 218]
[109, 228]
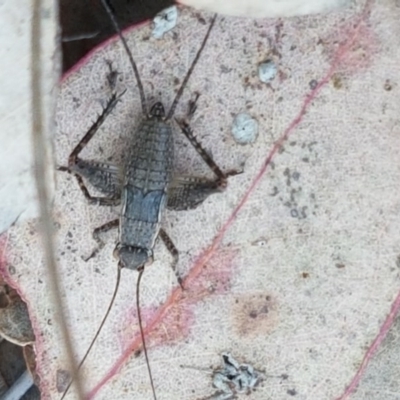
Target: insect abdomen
[149, 170]
[151, 157]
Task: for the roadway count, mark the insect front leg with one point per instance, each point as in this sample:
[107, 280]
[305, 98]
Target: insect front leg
[169, 244]
[96, 236]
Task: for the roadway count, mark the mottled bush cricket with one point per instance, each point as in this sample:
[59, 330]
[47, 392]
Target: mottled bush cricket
[146, 186]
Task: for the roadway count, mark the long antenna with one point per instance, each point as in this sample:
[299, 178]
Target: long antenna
[189, 73]
[135, 70]
[99, 328]
[142, 332]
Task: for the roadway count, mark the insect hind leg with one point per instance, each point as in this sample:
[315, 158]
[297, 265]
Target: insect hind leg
[186, 193]
[222, 177]
[94, 128]
[192, 106]
[73, 159]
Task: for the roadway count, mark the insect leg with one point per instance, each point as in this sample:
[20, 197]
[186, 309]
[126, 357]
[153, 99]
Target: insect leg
[192, 106]
[96, 236]
[221, 176]
[100, 201]
[174, 252]
[94, 128]
[187, 192]
[105, 177]
[73, 159]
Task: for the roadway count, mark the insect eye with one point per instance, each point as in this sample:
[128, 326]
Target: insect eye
[149, 261]
[116, 253]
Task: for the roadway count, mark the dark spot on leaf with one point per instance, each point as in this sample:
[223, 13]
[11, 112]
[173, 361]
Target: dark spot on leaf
[388, 86]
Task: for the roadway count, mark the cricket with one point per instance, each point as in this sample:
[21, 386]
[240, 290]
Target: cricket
[146, 185]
